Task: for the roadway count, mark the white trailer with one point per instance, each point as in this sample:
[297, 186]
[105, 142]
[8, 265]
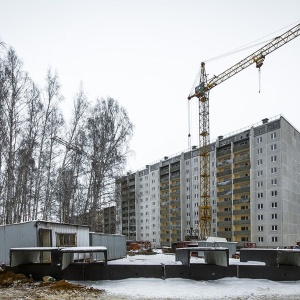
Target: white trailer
[41, 234]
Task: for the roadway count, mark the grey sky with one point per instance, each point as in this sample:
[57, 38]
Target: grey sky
[146, 54]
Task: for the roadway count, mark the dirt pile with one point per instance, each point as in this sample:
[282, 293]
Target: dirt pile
[18, 286]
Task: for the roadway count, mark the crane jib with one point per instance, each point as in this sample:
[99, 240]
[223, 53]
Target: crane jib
[249, 60]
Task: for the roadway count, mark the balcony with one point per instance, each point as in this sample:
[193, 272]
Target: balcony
[242, 232]
[164, 219]
[224, 223]
[223, 183]
[175, 194]
[175, 168]
[224, 203]
[224, 193]
[241, 222]
[223, 152]
[241, 190]
[226, 172]
[164, 228]
[175, 176]
[164, 203]
[241, 212]
[224, 213]
[174, 185]
[241, 158]
[131, 183]
[164, 187]
[241, 179]
[174, 210]
[164, 196]
[224, 163]
[241, 200]
[175, 202]
[165, 236]
[164, 179]
[240, 147]
[226, 234]
[164, 171]
[174, 219]
[241, 169]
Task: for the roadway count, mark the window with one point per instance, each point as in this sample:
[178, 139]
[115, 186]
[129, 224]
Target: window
[196, 187]
[260, 206]
[187, 171]
[274, 227]
[259, 173]
[66, 239]
[227, 229]
[260, 228]
[259, 140]
[259, 184]
[195, 160]
[274, 181]
[244, 207]
[196, 169]
[273, 147]
[260, 195]
[274, 204]
[259, 151]
[244, 228]
[273, 193]
[244, 218]
[273, 135]
[244, 239]
[259, 162]
[273, 170]
[260, 217]
[274, 239]
[227, 219]
[273, 158]
[227, 209]
[196, 178]
[274, 216]
[260, 239]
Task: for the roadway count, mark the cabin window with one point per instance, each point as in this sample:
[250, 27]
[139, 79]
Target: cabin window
[66, 239]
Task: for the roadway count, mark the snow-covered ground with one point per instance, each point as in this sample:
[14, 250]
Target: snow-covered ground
[177, 288]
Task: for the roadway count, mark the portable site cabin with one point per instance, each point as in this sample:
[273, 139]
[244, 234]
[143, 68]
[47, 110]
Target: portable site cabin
[41, 234]
[115, 244]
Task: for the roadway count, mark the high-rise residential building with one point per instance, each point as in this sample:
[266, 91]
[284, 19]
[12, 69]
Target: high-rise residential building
[255, 191]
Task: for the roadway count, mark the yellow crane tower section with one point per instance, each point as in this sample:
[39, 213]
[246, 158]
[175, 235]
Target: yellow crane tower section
[202, 93]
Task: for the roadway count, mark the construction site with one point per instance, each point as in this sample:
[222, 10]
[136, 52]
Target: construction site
[224, 209]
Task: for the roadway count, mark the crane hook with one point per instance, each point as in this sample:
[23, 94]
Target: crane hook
[259, 62]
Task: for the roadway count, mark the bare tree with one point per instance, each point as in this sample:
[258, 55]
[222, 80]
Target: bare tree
[52, 98]
[108, 131]
[16, 81]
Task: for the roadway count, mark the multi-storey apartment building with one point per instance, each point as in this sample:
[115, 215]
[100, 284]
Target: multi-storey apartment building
[255, 190]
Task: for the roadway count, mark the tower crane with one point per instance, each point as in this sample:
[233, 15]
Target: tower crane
[202, 93]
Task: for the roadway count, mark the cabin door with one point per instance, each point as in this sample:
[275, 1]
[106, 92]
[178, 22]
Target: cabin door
[45, 240]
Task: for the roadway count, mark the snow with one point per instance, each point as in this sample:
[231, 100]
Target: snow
[178, 288]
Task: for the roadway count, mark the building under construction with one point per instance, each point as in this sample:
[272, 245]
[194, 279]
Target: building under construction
[254, 191]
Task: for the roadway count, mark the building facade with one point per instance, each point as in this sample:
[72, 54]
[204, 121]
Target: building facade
[255, 191]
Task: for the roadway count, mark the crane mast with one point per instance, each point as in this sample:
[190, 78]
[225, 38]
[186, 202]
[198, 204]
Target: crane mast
[202, 93]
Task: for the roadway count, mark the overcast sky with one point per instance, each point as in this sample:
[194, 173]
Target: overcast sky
[146, 54]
